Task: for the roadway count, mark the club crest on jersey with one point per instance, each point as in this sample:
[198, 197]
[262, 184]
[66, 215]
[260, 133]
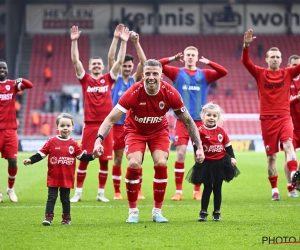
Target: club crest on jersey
[126, 148]
[7, 87]
[53, 160]
[176, 138]
[220, 137]
[161, 105]
[71, 150]
[102, 81]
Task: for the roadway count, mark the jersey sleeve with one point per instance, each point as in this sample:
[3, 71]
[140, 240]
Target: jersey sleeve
[44, 151]
[170, 71]
[177, 102]
[127, 100]
[253, 70]
[215, 73]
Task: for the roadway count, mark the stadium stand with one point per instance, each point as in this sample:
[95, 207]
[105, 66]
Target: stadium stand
[222, 49]
[62, 73]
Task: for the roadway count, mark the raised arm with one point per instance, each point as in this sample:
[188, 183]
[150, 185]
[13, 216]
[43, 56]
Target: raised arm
[248, 38]
[134, 37]
[113, 47]
[194, 134]
[124, 35]
[104, 129]
[75, 34]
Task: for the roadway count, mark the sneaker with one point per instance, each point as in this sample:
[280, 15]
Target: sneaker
[76, 197]
[133, 217]
[118, 196]
[216, 216]
[275, 197]
[177, 197]
[197, 195]
[141, 196]
[203, 216]
[101, 197]
[66, 219]
[1, 198]
[157, 217]
[293, 194]
[12, 195]
[48, 220]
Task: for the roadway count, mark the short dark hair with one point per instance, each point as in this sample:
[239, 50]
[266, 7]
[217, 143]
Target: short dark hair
[95, 57]
[128, 57]
[293, 57]
[272, 49]
[152, 63]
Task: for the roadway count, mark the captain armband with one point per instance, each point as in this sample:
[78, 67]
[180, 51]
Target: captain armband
[180, 111]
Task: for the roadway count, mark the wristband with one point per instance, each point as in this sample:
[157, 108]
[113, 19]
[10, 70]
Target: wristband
[100, 136]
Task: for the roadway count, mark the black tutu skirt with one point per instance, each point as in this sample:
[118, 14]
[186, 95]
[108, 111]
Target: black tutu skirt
[212, 171]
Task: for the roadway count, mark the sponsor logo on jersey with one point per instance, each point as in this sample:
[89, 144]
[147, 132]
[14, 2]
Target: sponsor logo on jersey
[97, 89]
[186, 87]
[142, 103]
[7, 87]
[273, 85]
[53, 160]
[220, 137]
[148, 119]
[62, 160]
[214, 148]
[161, 105]
[4, 97]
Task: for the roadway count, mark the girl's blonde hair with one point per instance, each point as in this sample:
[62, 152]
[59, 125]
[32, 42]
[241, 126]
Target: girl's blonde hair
[213, 107]
[64, 115]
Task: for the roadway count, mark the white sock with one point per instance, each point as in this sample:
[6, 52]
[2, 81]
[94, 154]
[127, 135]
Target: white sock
[100, 191]
[78, 190]
[275, 190]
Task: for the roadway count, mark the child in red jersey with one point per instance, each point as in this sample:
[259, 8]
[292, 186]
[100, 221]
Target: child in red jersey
[219, 164]
[62, 151]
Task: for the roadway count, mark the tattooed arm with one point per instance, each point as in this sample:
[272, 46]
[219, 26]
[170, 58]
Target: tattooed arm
[194, 134]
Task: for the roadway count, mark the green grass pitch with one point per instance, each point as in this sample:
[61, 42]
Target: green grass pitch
[247, 212]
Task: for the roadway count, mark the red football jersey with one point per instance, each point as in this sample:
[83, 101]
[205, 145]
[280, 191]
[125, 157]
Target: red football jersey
[62, 154]
[214, 141]
[295, 103]
[273, 86]
[146, 113]
[96, 96]
[8, 91]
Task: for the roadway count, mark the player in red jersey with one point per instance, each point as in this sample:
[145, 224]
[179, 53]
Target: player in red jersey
[123, 82]
[96, 90]
[273, 86]
[62, 152]
[294, 60]
[146, 104]
[219, 164]
[8, 124]
[192, 83]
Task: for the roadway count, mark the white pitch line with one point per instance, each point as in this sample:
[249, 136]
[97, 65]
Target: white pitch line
[125, 206]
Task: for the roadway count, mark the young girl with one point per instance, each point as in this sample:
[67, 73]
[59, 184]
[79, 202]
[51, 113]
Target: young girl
[219, 163]
[62, 151]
